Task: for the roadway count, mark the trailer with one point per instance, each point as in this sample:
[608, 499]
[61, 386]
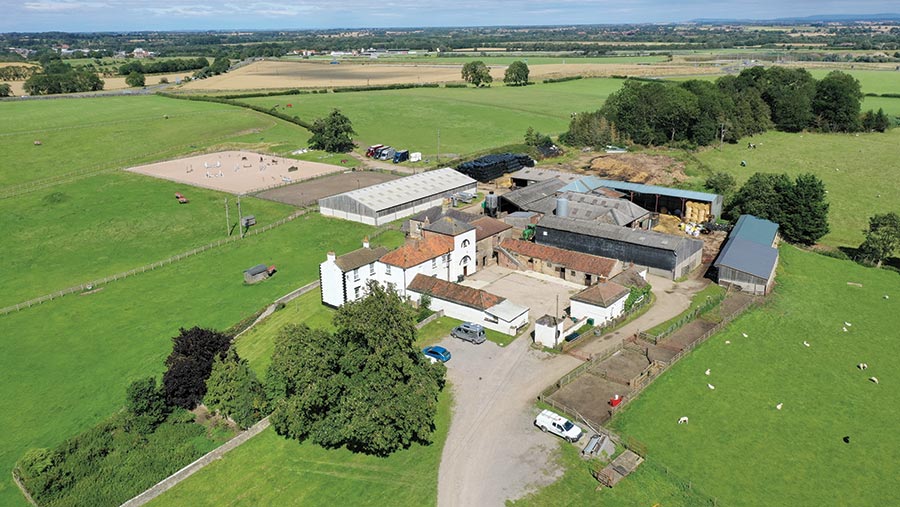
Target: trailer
[380, 151]
[372, 149]
[388, 153]
[401, 156]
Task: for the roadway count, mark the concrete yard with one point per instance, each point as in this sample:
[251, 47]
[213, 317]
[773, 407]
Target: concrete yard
[536, 291]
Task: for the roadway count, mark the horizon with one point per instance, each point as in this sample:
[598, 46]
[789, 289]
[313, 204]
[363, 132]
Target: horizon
[92, 16]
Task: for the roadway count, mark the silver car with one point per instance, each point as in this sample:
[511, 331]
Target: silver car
[469, 332]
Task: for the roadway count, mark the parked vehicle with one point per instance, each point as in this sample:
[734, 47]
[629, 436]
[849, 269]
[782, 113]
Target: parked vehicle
[372, 149]
[436, 353]
[558, 425]
[388, 153]
[469, 332]
[401, 156]
[380, 151]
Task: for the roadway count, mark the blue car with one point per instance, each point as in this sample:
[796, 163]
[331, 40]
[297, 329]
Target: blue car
[436, 353]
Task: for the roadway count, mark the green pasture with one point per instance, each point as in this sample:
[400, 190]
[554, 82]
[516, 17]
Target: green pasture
[115, 132]
[270, 470]
[469, 119]
[871, 81]
[106, 224]
[73, 357]
[492, 59]
[858, 171]
[741, 450]
[891, 105]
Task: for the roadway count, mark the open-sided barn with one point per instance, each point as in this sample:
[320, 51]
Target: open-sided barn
[687, 203]
[393, 200]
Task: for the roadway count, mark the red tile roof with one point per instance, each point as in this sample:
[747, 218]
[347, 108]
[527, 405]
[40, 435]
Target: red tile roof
[486, 227]
[453, 292]
[586, 263]
[418, 251]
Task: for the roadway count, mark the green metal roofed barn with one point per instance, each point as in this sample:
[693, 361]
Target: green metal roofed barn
[749, 257]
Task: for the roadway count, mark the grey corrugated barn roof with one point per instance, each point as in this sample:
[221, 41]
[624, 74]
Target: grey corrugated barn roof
[255, 270]
[449, 226]
[757, 230]
[535, 174]
[404, 190]
[680, 244]
[748, 257]
[534, 192]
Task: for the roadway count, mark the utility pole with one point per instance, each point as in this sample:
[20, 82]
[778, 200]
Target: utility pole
[227, 221]
[439, 147]
[240, 217]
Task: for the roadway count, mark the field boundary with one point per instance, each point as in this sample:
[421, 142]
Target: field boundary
[217, 453]
[88, 286]
[22, 488]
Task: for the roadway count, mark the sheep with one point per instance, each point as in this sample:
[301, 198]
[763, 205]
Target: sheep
[683, 420]
[873, 379]
[845, 329]
[887, 297]
[744, 335]
[848, 324]
[846, 439]
[863, 366]
[778, 407]
[805, 343]
[727, 342]
[713, 387]
[707, 372]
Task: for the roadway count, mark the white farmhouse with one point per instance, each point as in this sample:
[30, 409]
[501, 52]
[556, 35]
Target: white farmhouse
[344, 278]
[469, 304]
[602, 302]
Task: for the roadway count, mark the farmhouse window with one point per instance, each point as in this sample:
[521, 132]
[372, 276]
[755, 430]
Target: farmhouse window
[356, 275]
[387, 269]
[372, 269]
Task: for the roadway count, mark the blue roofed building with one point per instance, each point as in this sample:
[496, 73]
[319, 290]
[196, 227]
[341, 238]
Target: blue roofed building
[750, 256]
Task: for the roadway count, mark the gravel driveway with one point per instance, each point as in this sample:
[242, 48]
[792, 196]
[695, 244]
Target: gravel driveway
[493, 451]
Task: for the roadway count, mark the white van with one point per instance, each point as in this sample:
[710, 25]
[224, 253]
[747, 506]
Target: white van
[558, 425]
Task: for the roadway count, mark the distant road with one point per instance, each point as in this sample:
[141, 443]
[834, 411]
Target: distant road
[146, 90]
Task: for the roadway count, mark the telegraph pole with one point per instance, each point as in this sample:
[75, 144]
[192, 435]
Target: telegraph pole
[227, 221]
[240, 217]
[439, 147]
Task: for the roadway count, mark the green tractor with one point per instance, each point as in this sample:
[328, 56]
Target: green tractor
[528, 232]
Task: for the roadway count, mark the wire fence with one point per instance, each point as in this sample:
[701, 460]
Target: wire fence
[92, 285]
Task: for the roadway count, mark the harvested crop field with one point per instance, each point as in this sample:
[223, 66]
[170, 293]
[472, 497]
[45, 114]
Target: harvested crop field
[236, 172]
[309, 192]
[285, 74]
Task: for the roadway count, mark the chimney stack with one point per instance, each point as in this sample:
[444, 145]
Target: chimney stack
[332, 256]
[366, 242]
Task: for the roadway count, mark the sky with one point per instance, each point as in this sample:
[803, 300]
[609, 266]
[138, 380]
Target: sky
[131, 15]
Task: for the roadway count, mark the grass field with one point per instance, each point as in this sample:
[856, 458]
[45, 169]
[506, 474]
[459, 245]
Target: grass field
[116, 132]
[494, 59]
[270, 470]
[871, 81]
[72, 358]
[738, 448]
[469, 120]
[97, 226]
[854, 168]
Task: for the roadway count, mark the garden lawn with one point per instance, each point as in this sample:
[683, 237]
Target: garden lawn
[738, 447]
[271, 470]
[860, 172]
[97, 226]
[115, 132]
[469, 119]
[68, 362]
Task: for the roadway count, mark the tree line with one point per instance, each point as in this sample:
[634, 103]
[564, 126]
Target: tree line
[699, 113]
[163, 66]
[59, 77]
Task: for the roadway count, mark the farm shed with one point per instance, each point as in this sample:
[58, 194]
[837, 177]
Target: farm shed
[523, 198]
[548, 330]
[593, 206]
[344, 278]
[469, 304]
[602, 302]
[392, 200]
[665, 255]
[256, 274]
[658, 199]
[521, 219]
[531, 175]
[566, 264]
[749, 257]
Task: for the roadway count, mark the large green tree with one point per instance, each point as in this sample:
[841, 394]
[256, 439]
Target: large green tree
[365, 386]
[789, 93]
[837, 103]
[5, 90]
[591, 130]
[477, 73]
[882, 238]
[332, 133]
[190, 363]
[516, 74]
[762, 195]
[145, 402]
[721, 183]
[135, 80]
[233, 390]
[652, 113]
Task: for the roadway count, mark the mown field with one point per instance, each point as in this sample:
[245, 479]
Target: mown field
[469, 120]
[859, 171]
[71, 359]
[271, 470]
[741, 450]
[117, 132]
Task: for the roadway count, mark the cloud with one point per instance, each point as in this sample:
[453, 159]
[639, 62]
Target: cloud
[189, 10]
[50, 6]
